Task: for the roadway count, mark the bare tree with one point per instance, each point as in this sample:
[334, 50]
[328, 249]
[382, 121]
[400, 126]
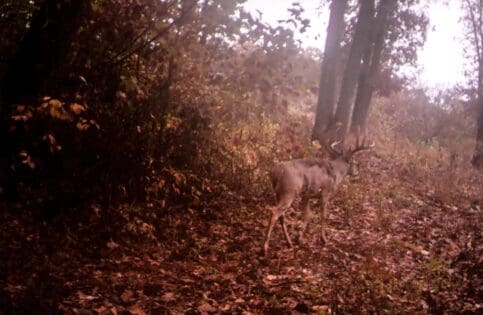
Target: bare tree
[374, 36]
[353, 66]
[329, 72]
[474, 18]
[478, 155]
[371, 62]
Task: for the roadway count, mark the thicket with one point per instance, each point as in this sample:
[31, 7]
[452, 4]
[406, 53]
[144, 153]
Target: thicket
[165, 102]
[177, 103]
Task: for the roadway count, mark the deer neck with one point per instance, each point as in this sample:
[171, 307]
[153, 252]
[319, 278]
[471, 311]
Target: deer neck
[340, 169]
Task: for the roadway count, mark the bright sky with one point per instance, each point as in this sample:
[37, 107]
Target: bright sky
[442, 58]
[440, 62]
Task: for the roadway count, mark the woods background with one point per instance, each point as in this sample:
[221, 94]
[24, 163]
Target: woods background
[128, 128]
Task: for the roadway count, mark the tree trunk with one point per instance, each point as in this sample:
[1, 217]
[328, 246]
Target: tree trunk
[328, 77]
[478, 155]
[372, 59]
[353, 67]
[364, 87]
[477, 30]
[43, 48]
[477, 160]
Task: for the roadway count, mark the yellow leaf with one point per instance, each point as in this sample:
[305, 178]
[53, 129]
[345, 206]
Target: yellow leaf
[55, 103]
[77, 108]
[137, 310]
[82, 127]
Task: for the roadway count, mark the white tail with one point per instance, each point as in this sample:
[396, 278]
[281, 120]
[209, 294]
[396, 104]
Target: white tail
[309, 178]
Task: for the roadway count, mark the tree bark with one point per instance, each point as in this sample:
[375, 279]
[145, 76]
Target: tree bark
[478, 155]
[353, 67]
[364, 88]
[477, 160]
[371, 67]
[329, 70]
[477, 30]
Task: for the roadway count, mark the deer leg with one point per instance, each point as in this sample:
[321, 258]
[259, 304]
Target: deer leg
[306, 219]
[323, 205]
[273, 219]
[276, 213]
[284, 226]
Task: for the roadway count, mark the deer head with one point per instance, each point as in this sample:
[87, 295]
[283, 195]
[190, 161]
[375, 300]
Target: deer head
[337, 149]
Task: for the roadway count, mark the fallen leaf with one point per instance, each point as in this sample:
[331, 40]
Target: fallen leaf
[85, 297]
[127, 295]
[206, 308]
[136, 310]
[168, 297]
[112, 245]
[77, 108]
[101, 310]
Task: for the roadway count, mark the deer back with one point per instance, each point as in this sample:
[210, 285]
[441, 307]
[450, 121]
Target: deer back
[309, 175]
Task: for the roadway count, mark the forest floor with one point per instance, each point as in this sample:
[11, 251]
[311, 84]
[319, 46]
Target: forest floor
[400, 252]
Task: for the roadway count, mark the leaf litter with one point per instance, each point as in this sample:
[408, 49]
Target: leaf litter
[422, 257]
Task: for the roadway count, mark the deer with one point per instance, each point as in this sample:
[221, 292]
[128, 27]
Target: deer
[309, 178]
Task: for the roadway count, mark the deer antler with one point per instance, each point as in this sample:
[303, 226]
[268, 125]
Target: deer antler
[362, 146]
[330, 144]
[332, 150]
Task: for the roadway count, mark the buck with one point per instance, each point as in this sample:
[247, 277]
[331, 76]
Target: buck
[309, 178]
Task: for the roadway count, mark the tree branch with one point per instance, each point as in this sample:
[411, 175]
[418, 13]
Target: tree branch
[157, 36]
[477, 34]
